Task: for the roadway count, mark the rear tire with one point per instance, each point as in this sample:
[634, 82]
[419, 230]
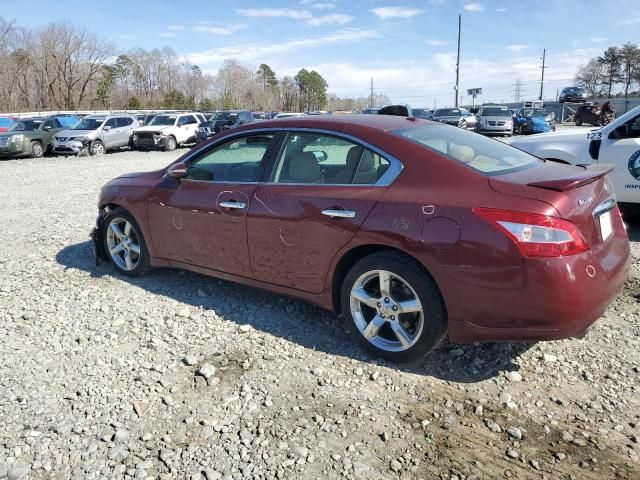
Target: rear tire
[395, 307]
[37, 150]
[124, 244]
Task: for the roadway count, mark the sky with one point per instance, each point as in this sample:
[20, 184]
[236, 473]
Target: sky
[408, 48]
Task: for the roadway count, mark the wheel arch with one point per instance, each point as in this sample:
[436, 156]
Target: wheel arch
[350, 257]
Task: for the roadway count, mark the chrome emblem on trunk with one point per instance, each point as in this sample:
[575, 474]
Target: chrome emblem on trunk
[585, 201]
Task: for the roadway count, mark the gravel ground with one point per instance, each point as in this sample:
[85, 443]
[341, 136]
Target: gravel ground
[176, 375]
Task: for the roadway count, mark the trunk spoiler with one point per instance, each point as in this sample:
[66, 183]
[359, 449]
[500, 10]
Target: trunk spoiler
[591, 174]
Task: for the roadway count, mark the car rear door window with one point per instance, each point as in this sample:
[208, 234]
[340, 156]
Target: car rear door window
[238, 160]
[314, 158]
[124, 121]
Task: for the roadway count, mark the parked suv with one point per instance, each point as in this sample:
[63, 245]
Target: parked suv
[573, 95]
[494, 120]
[96, 134]
[32, 136]
[167, 131]
[230, 118]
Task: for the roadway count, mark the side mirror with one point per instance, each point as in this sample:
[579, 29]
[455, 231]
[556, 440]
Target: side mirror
[106, 128]
[621, 132]
[177, 170]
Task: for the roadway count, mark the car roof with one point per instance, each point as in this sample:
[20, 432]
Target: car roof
[341, 122]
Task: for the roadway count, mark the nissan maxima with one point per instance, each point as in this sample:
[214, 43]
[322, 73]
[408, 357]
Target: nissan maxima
[412, 230]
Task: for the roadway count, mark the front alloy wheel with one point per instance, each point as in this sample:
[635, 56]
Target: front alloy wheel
[124, 243]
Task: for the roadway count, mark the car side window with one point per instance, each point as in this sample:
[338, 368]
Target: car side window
[188, 120]
[124, 121]
[49, 124]
[110, 123]
[238, 160]
[313, 158]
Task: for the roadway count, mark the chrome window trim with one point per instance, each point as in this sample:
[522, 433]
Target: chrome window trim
[395, 166]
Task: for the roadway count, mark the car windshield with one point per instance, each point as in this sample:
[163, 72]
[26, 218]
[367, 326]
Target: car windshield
[88, 124]
[535, 112]
[5, 122]
[67, 121]
[208, 123]
[421, 113]
[495, 112]
[163, 120]
[482, 154]
[224, 116]
[446, 112]
[26, 125]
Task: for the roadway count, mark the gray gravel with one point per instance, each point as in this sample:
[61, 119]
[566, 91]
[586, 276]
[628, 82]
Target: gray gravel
[176, 375]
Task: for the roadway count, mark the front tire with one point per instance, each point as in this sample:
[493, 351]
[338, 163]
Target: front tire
[170, 144]
[37, 150]
[395, 307]
[578, 122]
[97, 148]
[124, 244]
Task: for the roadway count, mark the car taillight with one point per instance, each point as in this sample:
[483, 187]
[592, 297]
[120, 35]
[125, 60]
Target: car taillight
[536, 235]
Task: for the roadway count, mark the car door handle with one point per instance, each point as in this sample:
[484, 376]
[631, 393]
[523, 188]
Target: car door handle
[232, 204]
[335, 213]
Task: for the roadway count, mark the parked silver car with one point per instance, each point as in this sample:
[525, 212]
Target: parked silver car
[96, 134]
[494, 120]
[459, 117]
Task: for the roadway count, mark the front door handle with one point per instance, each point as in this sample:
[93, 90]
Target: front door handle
[335, 213]
[234, 205]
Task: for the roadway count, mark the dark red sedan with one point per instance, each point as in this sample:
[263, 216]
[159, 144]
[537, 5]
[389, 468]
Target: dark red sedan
[413, 230]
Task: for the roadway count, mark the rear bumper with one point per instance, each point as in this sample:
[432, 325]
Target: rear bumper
[545, 299]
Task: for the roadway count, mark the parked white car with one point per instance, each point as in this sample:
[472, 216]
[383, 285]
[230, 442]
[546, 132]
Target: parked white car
[617, 143]
[95, 134]
[167, 131]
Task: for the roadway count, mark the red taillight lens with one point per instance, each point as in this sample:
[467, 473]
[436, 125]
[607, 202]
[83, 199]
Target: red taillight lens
[536, 235]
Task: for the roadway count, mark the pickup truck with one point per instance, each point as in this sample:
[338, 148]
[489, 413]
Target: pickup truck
[617, 143]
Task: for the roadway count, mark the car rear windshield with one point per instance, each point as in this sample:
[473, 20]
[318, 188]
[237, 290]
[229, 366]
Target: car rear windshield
[224, 116]
[495, 112]
[26, 125]
[446, 112]
[88, 124]
[163, 120]
[482, 154]
[5, 122]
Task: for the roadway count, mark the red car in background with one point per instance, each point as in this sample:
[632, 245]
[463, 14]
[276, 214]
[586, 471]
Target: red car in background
[412, 230]
[6, 123]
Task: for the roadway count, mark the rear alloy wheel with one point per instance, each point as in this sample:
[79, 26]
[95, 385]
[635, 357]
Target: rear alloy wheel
[395, 307]
[170, 144]
[97, 148]
[37, 150]
[578, 122]
[124, 244]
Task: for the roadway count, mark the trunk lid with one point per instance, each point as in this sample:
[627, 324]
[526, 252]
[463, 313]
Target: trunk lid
[574, 191]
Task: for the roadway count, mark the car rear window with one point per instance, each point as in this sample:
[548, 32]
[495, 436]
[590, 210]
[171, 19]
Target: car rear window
[482, 154]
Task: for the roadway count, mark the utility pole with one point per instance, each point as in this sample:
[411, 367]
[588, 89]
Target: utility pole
[371, 95]
[544, 54]
[458, 60]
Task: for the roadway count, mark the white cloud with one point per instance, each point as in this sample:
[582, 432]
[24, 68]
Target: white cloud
[337, 18]
[395, 12]
[262, 52]
[214, 30]
[597, 39]
[324, 6]
[437, 43]
[176, 28]
[167, 34]
[274, 13]
[474, 7]
[516, 48]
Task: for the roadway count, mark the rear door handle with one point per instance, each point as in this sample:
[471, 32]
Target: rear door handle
[234, 205]
[335, 213]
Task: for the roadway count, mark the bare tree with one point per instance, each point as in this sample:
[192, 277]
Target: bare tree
[591, 78]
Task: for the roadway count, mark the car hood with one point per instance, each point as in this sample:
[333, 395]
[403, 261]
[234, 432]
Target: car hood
[575, 134]
[152, 128]
[76, 133]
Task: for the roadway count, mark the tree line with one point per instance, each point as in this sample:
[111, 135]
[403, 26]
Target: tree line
[63, 67]
[616, 73]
